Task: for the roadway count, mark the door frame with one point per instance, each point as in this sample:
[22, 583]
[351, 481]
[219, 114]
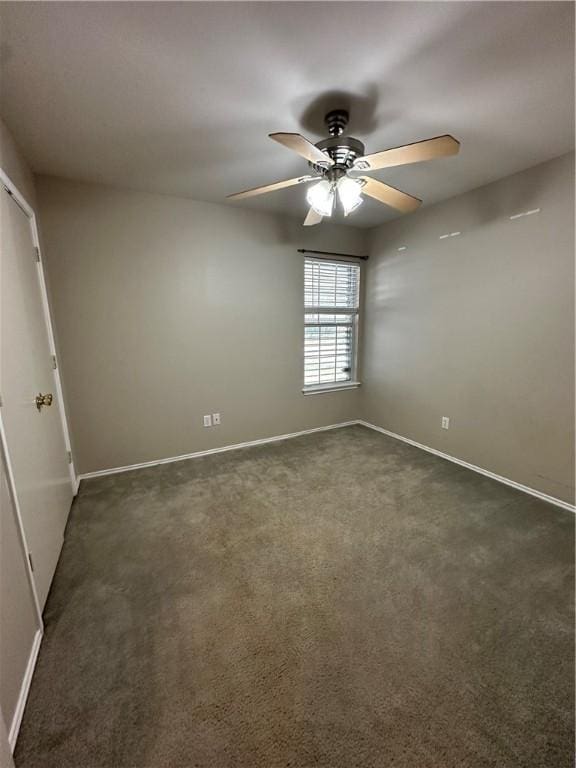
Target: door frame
[27, 209]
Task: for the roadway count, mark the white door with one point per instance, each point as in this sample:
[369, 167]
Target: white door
[34, 436]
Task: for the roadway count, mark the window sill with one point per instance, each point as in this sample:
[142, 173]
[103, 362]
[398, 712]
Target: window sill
[319, 389]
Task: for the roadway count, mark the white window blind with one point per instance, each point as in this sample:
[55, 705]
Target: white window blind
[331, 290]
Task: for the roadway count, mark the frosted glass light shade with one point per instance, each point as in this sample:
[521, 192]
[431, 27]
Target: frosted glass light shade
[321, 198]
[350, 194]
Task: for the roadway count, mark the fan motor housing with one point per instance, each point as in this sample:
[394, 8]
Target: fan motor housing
[344, 150]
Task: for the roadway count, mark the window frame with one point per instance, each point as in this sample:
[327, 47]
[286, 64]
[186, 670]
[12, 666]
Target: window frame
[353, 382]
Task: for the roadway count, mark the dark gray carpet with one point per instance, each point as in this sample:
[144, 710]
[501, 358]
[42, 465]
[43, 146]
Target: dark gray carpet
[339, 600]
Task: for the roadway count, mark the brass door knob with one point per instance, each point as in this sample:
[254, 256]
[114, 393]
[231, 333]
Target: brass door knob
[43, 400]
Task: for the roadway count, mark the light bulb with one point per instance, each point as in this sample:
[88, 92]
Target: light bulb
[350, 194]
[321, 198]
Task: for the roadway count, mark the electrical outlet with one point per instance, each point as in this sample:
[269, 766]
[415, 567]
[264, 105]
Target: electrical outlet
[208, 421]
[445, 422]
[215, 419]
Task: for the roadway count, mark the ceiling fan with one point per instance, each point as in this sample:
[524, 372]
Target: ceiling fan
[338, 166]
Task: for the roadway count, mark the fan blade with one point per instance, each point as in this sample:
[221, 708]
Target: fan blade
[272, 187]
[389, 195]
[441, 146]
[302, 147]
[312, 218]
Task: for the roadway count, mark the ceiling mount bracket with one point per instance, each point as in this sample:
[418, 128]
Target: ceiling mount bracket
[336, 121]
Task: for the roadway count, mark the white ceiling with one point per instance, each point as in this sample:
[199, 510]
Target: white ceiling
[179, 97]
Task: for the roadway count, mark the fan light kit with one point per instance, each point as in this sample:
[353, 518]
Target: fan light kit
[321, 196]
[338, 165]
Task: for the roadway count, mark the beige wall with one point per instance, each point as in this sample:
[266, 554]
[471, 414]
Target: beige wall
[480, 328]
[14, 165]
[167, 309]
[6, 760]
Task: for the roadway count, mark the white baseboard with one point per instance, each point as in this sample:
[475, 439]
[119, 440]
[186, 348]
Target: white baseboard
[24, 689]
[512, 483]
[474, 468]
[210, 451]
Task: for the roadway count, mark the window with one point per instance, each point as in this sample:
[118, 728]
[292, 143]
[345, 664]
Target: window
[331, 290]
